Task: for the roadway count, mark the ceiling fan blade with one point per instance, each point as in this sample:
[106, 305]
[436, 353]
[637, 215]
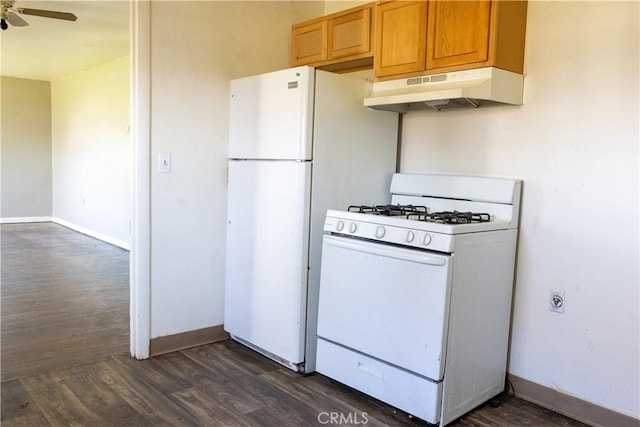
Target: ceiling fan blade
[15, 20]
[49, 14]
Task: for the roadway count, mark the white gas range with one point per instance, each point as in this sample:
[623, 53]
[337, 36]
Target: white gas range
[415, 297]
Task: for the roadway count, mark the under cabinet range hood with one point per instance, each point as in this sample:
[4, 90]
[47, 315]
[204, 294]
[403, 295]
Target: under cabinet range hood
[458, 89]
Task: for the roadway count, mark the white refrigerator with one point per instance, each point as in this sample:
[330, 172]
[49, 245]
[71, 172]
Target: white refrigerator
[300, 142]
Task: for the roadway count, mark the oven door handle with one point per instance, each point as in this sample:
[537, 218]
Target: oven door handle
[386, 251]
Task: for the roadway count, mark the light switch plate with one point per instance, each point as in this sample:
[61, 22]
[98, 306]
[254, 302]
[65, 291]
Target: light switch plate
[164, 162]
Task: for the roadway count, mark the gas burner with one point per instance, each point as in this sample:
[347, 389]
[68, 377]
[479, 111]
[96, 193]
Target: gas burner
[391, 210]
[452, 217]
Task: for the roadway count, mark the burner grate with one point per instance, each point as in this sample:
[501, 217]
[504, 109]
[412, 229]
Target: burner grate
[390, 210]
[422, 213]
[453, 217]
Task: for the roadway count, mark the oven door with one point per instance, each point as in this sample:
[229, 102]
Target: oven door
[388, 302]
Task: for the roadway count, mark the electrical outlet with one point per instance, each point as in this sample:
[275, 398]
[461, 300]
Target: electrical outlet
[556, 301]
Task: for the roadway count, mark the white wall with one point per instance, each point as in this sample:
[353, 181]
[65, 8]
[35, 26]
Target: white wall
[333, 6]
[26, 149]
[574, 142]
[196, 48]
[91, 150]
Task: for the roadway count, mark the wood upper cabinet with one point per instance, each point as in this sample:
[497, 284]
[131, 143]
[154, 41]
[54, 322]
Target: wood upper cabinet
[309, 42]
[350, 33]
[400, 37]
[344, 38]
[435, 36]
[458, 32]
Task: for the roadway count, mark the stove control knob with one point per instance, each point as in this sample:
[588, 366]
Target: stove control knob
[410, 236]
[427, 239]
[340, 225]
[380, 232]
[353, 227]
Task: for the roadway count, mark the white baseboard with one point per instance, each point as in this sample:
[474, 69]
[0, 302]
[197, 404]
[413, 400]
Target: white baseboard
[108, 239]
[111, 240]
[24, 219]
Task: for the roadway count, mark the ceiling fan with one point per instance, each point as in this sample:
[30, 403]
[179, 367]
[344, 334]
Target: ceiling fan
[9, 14]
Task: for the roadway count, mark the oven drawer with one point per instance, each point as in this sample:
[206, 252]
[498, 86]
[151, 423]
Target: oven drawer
[388, 302]
[408, 392]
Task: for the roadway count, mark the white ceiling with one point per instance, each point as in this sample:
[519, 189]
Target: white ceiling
[50, 48]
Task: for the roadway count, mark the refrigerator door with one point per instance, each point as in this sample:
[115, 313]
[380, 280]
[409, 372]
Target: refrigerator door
[267, 255]
[271, 115]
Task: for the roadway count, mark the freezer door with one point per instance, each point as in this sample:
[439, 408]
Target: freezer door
[267, 255]
[271, 115]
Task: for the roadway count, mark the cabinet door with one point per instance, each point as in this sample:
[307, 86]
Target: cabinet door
[401, 32]
[309, 42]
[458, 32]
[350, 34]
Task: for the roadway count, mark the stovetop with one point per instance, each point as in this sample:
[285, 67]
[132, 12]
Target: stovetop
[409, 225]
[432, 212]
[422, 213]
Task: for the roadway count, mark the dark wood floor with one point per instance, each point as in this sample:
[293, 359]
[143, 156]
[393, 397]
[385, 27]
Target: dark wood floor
[46, 382]
[221, 384]
[65, 299]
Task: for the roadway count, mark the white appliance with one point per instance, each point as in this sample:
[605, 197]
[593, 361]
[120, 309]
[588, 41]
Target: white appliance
[300, 142]
[415, 297]
[458, 89]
